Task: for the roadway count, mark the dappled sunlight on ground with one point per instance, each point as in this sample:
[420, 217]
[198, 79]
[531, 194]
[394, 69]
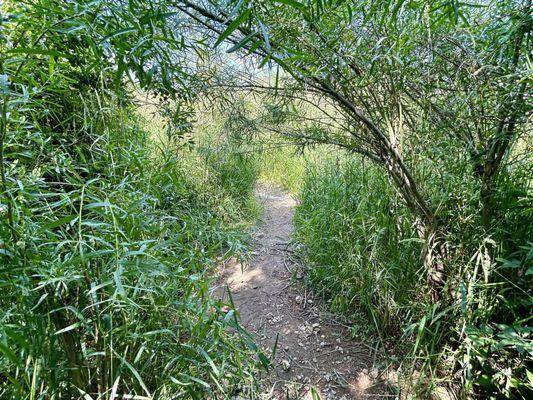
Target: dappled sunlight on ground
[243, 278]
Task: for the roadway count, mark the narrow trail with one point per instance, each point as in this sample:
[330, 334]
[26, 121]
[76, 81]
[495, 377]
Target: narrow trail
[313, 351]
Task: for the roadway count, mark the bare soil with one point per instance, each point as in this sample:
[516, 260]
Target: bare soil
[315, 353]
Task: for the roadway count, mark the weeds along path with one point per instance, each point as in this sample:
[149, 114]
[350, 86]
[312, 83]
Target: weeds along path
[314, 353]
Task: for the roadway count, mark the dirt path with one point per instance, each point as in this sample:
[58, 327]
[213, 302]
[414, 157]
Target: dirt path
[314, 353]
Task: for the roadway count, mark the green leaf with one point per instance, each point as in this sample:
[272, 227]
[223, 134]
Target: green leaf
[210, 362]
[192, 378]
[242, 43]
[135, 373]
[254, 47]
[114, 388]
[264, 61]
[529, 376]
[44, 52]
[59, 222]
[236, 23]
[86, 396]
[117, 33]
[229, 316]
[9, 354]
[264, 360]
[68, 328]
[275, 347]
[513, 263]
[315, 394]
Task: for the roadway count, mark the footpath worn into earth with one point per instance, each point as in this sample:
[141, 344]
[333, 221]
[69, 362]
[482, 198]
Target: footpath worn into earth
[315, 354]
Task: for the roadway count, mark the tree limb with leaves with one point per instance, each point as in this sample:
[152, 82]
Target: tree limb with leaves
[397, 73]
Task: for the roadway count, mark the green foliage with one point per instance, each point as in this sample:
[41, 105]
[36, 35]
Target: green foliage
[234, 171]
[365, 261]
[482, 343]
[107, 241]
[107, 281]
[436, 94]
[360, 243]
[283, 166]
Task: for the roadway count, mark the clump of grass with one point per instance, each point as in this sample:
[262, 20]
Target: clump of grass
[361, 257]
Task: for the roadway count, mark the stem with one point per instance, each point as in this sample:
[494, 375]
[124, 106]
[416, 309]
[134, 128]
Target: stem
[3, 132]
[506, 130]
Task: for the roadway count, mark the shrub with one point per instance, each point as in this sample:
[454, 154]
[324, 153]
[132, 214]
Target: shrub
[365, 261]
[105, 288]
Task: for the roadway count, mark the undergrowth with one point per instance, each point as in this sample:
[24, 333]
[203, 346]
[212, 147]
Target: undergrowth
[282, 166]
[361, 257]
[364, 259]
[104, 267]
[108, 235]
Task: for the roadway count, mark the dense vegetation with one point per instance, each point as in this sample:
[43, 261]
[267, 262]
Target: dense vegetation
[415, 209]
[366, 256]
[109, 227]
[427, 227]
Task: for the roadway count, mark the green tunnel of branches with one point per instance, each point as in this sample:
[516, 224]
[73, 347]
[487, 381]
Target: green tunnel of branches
[108, 237]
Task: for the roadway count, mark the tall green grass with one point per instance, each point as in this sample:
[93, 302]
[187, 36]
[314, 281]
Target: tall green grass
[104, 271]
[233, 172]
[282, 165]
[364, 259]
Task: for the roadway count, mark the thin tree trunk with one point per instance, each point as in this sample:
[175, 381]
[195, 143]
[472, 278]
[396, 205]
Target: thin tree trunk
[434, 250]
[434, 256]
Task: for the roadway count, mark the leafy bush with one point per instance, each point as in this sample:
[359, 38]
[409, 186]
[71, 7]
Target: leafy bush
[365, 261]
[105, 289]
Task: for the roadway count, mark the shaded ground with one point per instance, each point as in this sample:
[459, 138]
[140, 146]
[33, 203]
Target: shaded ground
[314, 352]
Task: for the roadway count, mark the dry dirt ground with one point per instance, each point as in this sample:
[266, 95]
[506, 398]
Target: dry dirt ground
[315, 354]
